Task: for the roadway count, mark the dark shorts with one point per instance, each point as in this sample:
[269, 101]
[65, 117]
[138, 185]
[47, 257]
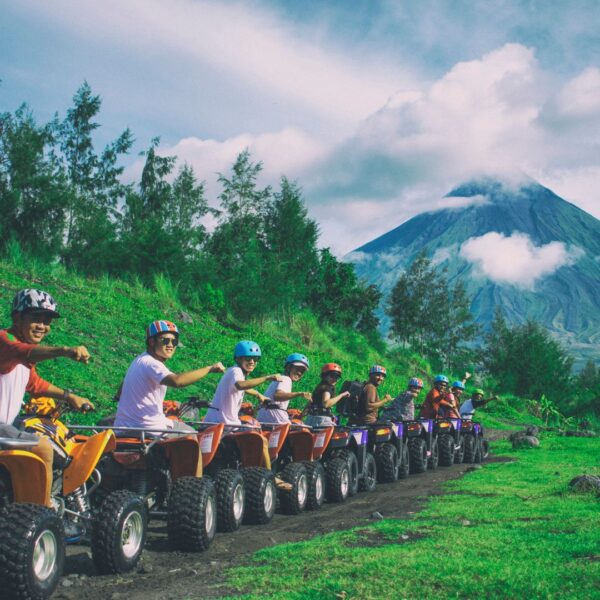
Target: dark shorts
[9, 431]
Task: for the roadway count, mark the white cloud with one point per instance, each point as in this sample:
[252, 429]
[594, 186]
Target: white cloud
[247, 44]
[515, 259]
[580, 97]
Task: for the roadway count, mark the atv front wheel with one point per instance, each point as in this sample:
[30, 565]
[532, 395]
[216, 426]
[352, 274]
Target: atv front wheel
[192, 514]
[387, 463]
[353, 470]
[32, 551]
[261, 495]
[418, 455]
[446, 445]
[337, 480]
[119, 532]
[316, 485]
[231, 496]
[293, 501]
[368, 481]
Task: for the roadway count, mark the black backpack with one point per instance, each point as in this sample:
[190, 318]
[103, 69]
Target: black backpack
[350, 406]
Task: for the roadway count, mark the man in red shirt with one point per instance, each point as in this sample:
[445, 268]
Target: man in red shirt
[20, 350]
[435, 398]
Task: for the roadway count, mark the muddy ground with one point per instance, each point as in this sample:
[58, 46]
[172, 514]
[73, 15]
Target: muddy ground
[163, 574]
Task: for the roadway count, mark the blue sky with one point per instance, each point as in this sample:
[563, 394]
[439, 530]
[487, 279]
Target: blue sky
[376, 108]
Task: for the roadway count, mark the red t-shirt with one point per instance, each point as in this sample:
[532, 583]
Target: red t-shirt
[14, 353]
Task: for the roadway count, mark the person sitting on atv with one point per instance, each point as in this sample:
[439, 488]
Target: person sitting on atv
[449, 407]
[323, 397]
[143, 390]
[369, 402]
[431, 406]
[226, 403]
[279, 393]
[467, 408]
[403, 406]
[20, 351]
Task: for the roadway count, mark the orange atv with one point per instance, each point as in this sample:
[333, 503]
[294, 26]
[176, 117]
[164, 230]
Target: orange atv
[237, 460]
[229, 482]
[165, 469]
[32, 550]
[294, 452]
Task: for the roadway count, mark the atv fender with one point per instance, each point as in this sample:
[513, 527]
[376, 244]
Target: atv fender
[276, 437]
[253, 449]
[302, 443]
[27, 474]
[184, 457]
[321, 441]
[209, 441]
[85, 457]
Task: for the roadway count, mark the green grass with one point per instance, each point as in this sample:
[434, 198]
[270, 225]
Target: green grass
[109, 316]
[510, 530]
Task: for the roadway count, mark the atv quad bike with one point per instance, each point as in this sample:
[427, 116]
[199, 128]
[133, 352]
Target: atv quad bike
[422, 445]
[450, 441]
[31, 562]
[476, 448]
[164, 468]
[388, 442]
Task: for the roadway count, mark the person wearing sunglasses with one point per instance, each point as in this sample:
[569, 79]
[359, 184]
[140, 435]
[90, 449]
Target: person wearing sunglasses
[324, 397]
[20, 351]
[145, 385]
[227, 401]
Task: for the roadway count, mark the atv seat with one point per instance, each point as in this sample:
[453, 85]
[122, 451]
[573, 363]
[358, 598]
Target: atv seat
[16, 444]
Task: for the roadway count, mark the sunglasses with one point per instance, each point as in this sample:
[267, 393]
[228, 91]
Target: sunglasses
[166, 341]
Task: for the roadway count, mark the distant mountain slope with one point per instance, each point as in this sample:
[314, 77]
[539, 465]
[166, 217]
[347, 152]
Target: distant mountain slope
[561, 238]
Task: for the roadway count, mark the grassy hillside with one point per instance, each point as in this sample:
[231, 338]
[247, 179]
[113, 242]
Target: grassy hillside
[510, 530]
[109, 317]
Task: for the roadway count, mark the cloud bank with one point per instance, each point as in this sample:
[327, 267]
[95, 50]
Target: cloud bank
[515, 259]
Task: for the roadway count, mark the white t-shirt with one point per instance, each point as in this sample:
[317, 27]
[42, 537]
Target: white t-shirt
[141, 402]
[227, 400]
[467, 410]
[276, 415]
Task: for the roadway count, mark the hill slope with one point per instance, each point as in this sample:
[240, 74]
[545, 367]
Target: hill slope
[564, 300]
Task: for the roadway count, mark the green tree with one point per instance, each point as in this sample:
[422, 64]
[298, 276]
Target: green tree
[527, 361]
[94, 183]
[33, 191]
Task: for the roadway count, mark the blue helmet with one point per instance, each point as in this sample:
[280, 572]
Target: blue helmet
[246, 348]
[297, 359]
[458, 385]
[441, 379]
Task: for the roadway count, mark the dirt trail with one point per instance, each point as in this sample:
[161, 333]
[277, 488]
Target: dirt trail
[163, 574]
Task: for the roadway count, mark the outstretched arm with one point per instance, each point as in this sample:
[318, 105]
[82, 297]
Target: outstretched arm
[248, 384]
[179, 380]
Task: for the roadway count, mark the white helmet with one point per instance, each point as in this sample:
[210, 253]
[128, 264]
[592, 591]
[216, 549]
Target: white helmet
[30, 299]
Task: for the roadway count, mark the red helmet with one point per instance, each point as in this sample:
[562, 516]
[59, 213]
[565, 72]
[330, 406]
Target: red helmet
[331, 368]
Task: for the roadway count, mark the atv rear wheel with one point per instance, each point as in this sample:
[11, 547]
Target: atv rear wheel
[32, 551]
[446, 444]
[418, 455]
[469, 449]
[231, 496]
[316, 485]
[387, 463]
[485, 449]
[434, 460]
[368, 481]
[261, 495]
[404, 463]
[337, 480]
[293, 502]
[459, 454]
[119, 532]
[192, 514]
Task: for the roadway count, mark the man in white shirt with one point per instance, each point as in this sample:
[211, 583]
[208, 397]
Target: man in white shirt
[279, 393]
[228, 397]
[145, 385]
